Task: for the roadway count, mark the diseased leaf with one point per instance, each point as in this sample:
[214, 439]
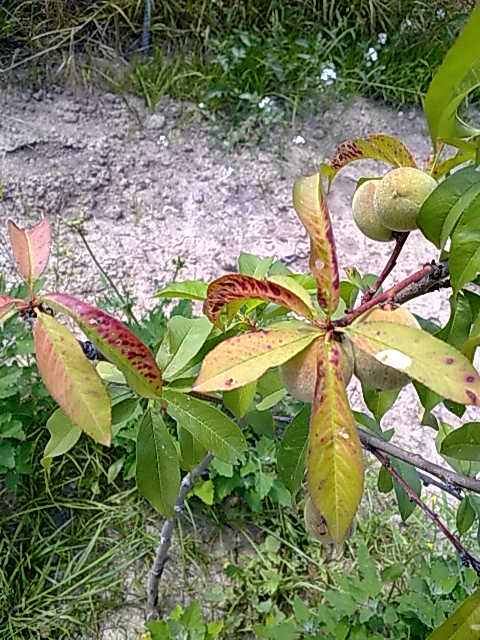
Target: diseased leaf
[115, 341]
[71, 379]
[377, 146]
[334, 462]
[9, 307]
[432, 362]
[187, 290]
[457, 76]
[158, 473]
[463, 443]
[234, 287]
[31, 249]
[293, 450]
[463, 623]
[240, 400]
[209, 426]
[443, 208]
[310, 203]
[63, 436]
[237, 361]
[296, 288]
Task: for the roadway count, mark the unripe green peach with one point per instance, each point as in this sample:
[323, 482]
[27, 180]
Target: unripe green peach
[364, 213]
[399, 196]
[368, 369]
[298, 374]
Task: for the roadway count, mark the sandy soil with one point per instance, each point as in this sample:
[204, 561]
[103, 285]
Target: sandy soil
[153, 187]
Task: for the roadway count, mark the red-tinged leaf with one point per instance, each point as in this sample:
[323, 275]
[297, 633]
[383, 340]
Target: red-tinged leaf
[9, 306]
[71, 379]
[334, 457]
[237, 361]
[31, 248]
[310, 204]
[115, 341]
[378, 146]
[235, 287]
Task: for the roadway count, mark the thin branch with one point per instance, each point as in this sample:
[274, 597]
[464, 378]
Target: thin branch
[454, 491]
[400, 240]
[466, 558]
[450, 478]
[426, 279]
[126, 305]
[161, 555]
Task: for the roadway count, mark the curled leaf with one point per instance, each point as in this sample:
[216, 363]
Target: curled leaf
[310, 203]
[115, 341]
[241, 287]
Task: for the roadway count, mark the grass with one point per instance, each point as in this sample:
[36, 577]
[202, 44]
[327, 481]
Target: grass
[234, 54]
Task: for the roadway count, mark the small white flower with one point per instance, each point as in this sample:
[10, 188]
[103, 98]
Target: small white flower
[163, 141]
[382, 38]
[201, 105]
[265, 102]
[406, 24]
[440, 13]
[328, 75]
[298, 140]
[371, 56]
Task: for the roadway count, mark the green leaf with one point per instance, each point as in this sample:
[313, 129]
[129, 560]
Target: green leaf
[7, 454]
[158, 473]
[270, 401]
[310, 203]
[334, 456]
[237, 361]
[463, 443]
[191, 450]
[261, 422]
[465, 515]
[124, 410]
[411, 477]
[255, 266]
[63, 436]
[114, 469]
[187, 290]
[385, 481]
[71, 379]
[443, 208]
[457, 329]
[209, 426]
[432, 362]
[458, 74]
[464, 258]
[463, 623]
[115, 341]
[186, 336]
[379, 402]
[293, 450]
[239, 400]
[205, 491]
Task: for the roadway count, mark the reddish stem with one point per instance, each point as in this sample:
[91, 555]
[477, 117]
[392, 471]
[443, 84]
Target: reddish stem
[384, 297]
[400, 240]
[466, 558]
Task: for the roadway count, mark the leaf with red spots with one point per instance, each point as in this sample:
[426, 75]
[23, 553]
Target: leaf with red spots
[310, 203]
[237, 361]
[115, 341]
[71, 379]
[238, 287]
[378, 146]
[434, 363]
[334, 456]
[9, 306]
[31, 249]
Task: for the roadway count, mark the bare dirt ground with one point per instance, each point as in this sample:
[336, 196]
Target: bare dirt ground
[153, 188]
